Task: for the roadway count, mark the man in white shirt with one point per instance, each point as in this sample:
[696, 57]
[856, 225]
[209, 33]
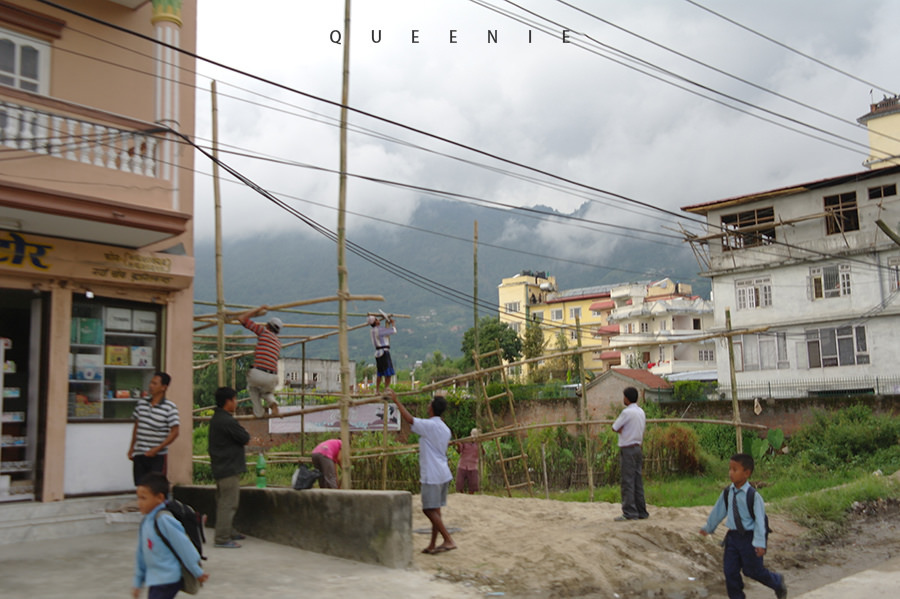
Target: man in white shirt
[435, 475]
[630, 427]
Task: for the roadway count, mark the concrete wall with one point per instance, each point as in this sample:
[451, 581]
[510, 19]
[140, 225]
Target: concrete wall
[374, 527]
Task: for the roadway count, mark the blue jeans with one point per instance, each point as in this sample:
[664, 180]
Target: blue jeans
[740, 554]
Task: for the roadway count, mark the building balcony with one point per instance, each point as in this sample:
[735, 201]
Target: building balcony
[40, 125]
[67, 164]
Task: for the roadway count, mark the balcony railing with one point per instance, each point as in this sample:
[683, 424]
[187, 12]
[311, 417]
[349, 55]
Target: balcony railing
[75, 138]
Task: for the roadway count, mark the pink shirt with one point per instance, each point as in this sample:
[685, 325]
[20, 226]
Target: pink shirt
[331, 449]
[468, 456]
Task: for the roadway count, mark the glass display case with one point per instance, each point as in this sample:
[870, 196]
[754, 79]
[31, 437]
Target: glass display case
[114, 353]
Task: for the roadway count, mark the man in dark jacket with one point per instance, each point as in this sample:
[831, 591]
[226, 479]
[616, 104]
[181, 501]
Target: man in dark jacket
[227, 439]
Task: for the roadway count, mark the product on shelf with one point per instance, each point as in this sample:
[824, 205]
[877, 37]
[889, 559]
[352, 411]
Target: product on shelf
[118, 355]
[88, 367]
[141, 355]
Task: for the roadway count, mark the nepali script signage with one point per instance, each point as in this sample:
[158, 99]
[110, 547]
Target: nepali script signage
[62, 258]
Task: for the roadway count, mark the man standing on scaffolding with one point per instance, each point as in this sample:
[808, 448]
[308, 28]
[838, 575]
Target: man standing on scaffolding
[381, 339]
[262, 378]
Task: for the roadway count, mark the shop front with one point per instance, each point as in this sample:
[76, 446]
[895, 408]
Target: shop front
[83, 328]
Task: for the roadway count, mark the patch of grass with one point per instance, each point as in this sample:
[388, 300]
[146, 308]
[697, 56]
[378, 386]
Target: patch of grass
[824, 512]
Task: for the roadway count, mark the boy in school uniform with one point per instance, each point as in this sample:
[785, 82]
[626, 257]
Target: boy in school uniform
[745, 541]
[155, 565]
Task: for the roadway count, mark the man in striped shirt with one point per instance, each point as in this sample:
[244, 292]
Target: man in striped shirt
[156, 425]
[262, 378]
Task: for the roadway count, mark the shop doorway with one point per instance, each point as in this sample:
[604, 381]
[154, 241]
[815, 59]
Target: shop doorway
[21, 334]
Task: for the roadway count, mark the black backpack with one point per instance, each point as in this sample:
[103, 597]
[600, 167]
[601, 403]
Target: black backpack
[191, 520]
[751, 498]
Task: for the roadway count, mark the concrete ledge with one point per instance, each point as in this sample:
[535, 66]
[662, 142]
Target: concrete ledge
[374, 527]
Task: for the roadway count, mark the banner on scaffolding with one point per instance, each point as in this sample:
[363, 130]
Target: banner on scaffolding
[369, 417]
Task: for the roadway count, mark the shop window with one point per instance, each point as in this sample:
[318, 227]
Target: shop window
[114, 351]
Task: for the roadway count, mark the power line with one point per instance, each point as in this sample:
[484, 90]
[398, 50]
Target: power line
[791, 49]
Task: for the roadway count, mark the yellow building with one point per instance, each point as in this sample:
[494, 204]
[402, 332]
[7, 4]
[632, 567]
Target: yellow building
[883, 123]
[580, 315]
[96, 248]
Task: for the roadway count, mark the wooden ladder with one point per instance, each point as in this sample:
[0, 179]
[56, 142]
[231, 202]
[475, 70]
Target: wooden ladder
[483, 379]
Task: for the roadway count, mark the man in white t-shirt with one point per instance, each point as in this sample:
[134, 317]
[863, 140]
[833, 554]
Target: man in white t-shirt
[434, 473]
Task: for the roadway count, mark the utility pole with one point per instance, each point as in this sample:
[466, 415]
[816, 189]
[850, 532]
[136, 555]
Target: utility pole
[475, 290]
[735, 410]
[220, 285]
[343, 284]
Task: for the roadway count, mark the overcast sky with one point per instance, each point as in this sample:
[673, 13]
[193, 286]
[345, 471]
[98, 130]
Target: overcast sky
[563, 108]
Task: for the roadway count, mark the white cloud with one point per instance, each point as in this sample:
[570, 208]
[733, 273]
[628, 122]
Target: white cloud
[546, 104]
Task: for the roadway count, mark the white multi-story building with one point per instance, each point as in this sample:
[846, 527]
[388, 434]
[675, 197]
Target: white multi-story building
[809, 262]
[658, 327]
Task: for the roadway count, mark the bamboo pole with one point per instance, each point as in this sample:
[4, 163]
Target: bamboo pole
[735, 409]
[217, 199]
[343, 283]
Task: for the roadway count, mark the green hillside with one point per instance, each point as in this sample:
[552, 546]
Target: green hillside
[276, 269]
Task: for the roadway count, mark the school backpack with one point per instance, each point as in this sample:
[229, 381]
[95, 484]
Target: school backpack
[191, 520]
[193, 523]
[751, 499]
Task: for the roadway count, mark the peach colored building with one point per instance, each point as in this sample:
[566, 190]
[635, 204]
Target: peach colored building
[96, 248]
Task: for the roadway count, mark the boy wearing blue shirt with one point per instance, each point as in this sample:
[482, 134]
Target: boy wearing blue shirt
[155, 565]
[745, 541]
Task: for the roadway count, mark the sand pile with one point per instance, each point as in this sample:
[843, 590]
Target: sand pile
[541, 548]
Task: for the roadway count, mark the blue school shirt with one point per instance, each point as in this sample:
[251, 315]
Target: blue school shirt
[722, 512]
[154, 563]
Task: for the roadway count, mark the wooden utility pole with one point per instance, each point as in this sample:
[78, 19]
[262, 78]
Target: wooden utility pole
[588, 441]
[343, 284]
[475, 290]
[220, 285]
[736, 412]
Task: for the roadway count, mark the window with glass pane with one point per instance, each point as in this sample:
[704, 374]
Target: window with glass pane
[24, 62]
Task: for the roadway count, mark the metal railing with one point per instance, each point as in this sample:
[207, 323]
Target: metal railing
[798, 388]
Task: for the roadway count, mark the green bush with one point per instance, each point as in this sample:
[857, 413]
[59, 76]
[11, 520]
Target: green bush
[848, 437]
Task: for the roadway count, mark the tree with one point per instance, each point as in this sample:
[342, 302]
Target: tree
[491, 332]
[436, 367]
[559, 366]
[533, 344]
[533, 347]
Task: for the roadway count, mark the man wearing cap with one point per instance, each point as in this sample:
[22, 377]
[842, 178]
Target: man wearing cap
[262, 378]
[381, 339]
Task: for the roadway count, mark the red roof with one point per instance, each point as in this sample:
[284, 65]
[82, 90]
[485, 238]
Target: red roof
[645, 377]
[610, 329]
[604, 305]
[611, 355]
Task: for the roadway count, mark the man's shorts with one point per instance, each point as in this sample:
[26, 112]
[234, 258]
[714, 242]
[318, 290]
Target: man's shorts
[383, 364]
[434, 496]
